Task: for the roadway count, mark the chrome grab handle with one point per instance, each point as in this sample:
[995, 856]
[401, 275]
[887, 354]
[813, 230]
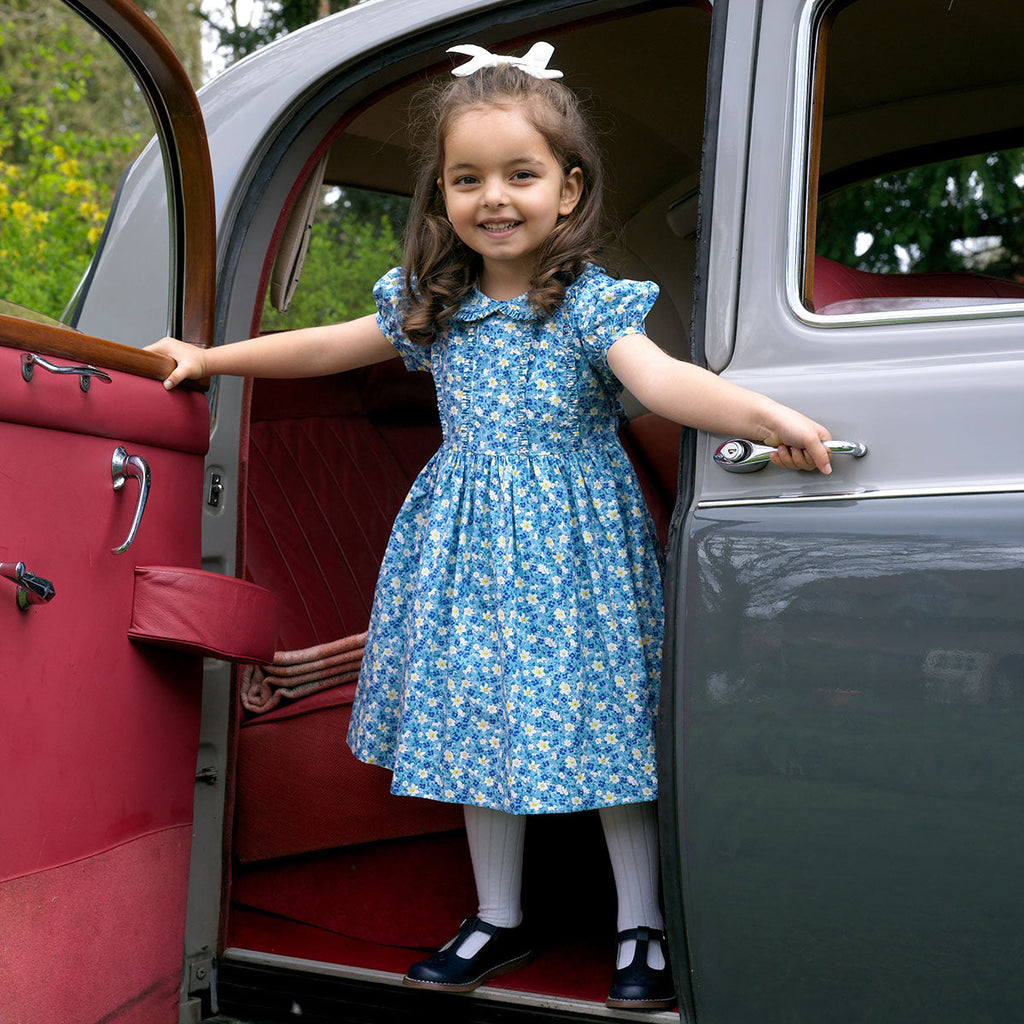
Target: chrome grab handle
[29, 361]
[122, 467]
[739, 456]
[32, 589]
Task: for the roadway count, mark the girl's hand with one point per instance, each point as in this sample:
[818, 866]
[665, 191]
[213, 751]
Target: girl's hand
[798, 441]
[191, 361]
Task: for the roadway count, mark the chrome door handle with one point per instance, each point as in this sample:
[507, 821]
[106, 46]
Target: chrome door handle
[122, 467]
[739, 456]
[29, 361]
[32, 589]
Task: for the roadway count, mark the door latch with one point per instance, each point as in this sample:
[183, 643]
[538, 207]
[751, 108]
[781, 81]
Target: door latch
[215, 490]
[739, 456]
[32, 589]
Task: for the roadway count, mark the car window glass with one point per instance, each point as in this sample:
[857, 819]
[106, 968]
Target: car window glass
[917, 199]
[355, 237]
[974, 222]
[71, 121]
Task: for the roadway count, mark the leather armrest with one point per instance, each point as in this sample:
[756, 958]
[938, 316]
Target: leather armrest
[205, 612]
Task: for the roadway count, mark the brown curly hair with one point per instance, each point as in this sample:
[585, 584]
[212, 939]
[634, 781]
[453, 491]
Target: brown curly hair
[440, 270]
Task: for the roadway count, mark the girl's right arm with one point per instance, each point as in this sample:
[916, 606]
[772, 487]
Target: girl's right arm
[308, 352]
[691, 395]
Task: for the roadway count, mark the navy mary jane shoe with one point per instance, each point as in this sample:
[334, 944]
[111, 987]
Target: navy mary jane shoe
[506, 950]
[637, 986]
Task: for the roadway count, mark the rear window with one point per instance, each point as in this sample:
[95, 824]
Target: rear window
[964, 215]
[915, 190]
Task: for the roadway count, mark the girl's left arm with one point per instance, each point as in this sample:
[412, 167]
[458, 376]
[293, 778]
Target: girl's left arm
[695, 397]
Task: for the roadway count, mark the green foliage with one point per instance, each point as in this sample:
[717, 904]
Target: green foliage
[238, 39]
[355, 240]
[52, 210]
[56, 176]
[954, 215]
[51, 58]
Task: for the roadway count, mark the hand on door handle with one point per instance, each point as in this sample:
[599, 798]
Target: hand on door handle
[739, 456]
[122, 467]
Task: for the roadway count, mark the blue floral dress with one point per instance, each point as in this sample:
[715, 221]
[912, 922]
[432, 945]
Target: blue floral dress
[514, 651]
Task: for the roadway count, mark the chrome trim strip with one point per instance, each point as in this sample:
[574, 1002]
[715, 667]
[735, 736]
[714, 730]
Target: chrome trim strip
[908, 492]
[802, 92]
[488, 994]
[802, 77]
[936, 314]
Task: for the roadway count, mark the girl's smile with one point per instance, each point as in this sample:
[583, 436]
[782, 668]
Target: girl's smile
[504, 192]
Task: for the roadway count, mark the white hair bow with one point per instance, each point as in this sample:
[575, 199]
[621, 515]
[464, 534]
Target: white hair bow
[534, 62]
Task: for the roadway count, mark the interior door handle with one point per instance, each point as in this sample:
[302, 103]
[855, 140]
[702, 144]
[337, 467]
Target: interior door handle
[123, 466]
[29, 361]
[32, 589]
[739, 456]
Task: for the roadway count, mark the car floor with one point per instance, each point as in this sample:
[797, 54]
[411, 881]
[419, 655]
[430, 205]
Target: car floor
[569, 903]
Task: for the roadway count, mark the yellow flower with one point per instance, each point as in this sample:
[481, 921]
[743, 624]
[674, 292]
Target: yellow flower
[20, 209]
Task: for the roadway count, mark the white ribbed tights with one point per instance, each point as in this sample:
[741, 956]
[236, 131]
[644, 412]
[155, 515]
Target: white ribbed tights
[496, 850]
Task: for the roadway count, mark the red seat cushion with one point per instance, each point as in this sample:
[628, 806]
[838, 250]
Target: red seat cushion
[300, 789]
[652, 443]
[835, 282]
[330, 462]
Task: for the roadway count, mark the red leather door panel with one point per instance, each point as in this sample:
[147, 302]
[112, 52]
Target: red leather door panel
[98, 734]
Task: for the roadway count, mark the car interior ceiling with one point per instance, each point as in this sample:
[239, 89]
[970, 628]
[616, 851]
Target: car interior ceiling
[326, 864]
[905, 78]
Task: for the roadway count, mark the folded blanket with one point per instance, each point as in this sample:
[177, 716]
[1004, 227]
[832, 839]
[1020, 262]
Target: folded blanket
[294, 674]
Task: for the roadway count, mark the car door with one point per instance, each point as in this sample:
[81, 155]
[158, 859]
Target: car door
[845, 653]
[104, 615]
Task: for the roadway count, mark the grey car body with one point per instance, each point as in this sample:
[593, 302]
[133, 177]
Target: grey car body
[843, 777]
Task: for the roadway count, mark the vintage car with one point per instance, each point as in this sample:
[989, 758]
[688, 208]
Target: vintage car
[842, 765]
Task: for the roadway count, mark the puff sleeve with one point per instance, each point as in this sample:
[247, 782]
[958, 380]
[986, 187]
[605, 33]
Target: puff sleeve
[603, 311]
[387, 293]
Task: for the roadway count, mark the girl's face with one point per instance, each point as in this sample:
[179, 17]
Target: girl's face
[504, 192]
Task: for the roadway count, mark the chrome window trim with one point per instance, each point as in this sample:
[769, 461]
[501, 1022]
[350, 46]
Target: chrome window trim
[909, 492]
[803, 75]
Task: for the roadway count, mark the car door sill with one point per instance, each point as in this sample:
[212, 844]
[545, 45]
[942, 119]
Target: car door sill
[553, 1004]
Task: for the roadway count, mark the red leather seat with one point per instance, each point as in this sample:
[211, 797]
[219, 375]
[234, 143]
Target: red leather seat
[652, 443]
[836, 283]
[330, 461]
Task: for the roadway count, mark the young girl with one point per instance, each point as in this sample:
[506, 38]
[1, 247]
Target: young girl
[514, 652]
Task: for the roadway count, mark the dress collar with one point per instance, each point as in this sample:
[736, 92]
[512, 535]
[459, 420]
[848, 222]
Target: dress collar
[477, 306]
